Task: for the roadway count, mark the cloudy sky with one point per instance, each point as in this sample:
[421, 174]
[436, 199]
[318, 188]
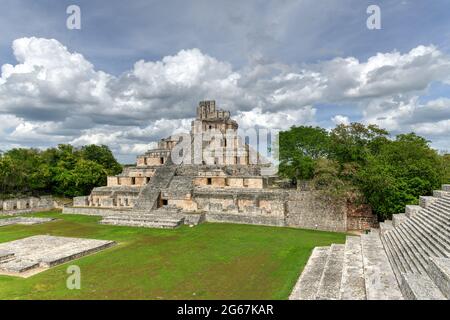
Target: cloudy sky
[136, 70]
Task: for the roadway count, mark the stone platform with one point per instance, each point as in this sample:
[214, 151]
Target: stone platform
[23, 221]
[28, 256]
[144, 221]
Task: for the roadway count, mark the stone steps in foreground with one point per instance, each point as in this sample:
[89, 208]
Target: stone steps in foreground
[352, 283]
[330, 282]
[308, 282]
[419, 287]
[439, 271]
[380, 280]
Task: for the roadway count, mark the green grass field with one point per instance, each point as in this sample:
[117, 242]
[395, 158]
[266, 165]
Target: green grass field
[209, 261]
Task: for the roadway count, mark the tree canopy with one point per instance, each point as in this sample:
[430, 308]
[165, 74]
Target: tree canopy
[64, 170]
[388, 173]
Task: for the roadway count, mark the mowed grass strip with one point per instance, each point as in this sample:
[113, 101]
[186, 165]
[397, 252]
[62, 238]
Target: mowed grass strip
[209, 261]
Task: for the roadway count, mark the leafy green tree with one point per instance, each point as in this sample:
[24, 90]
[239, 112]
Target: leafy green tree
[64, 170]
[299, 148]
[446, 164]
[402, 171]
[31, 174]
[103, 156]
[80, 180]
[354, 142]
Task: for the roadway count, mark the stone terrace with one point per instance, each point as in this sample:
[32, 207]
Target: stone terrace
[407, 258]
[28, 256]
[23, 221]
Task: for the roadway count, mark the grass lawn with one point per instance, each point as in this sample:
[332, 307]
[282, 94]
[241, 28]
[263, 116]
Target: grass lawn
[209, 261]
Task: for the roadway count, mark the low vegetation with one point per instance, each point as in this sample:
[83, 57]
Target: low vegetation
[209, 261]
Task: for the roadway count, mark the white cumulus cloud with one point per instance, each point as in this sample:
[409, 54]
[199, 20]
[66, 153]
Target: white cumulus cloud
[52, 95]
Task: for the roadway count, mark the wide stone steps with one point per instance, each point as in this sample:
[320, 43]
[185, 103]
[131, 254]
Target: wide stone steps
[437, 230]
[358, 270]
[353, 285]
[308, 283]
[429, 249]
[415, 250]
[432, 220]
[380, 279]
[439, 271]
[436, 215]
[395, 261]
[421, 246]
[429, 238]
[405, 260]
[396, 253]
[330, 281]
[420, 287]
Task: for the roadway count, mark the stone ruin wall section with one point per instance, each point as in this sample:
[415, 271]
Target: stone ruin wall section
[26, 205]
[310, 210]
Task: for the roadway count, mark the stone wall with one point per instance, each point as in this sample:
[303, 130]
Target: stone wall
[291, 208]
[309, 210]
[94, 211]
[240, 202]
[360, 217]
[246, 219]
[26, 205]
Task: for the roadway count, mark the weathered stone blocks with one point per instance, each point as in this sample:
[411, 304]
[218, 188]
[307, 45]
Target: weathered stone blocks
[441, 193]
[426, 201]
[398, 219]
[412, 210]
[439, 271]
[81, 201]
[24, 205]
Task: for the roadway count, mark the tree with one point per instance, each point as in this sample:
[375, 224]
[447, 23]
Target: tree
[80, 180]
[446, 165]
[103, 156]
[64, 170]
[300, 147]
[354, 142]
[31, 174]
[402, 171]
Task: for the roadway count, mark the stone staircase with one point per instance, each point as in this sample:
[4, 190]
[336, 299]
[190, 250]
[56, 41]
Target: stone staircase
[148, 197]
[407, 258]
